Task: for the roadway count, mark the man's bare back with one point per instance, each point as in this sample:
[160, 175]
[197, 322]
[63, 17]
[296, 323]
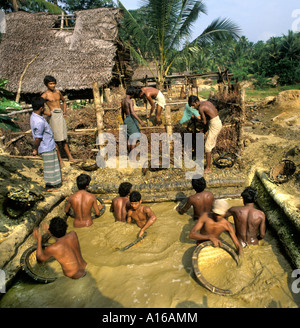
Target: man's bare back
[82, 203]
[119, 207]
[66, 249]
[67, 252]
[150, 92]
[249, 222]
[207, 111]
[126, 106]
[201, 202]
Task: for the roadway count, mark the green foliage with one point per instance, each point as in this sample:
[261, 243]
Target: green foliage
[262, 60]
[40, 5]
[73, 5]
[32, 6]
[7, 122]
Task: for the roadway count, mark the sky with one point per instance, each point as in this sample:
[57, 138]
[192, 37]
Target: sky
[258, 19]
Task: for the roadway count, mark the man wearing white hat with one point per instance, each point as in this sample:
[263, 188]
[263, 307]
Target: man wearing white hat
[211, 225]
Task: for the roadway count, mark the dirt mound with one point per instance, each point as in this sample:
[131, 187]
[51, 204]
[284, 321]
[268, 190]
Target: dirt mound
[289, 97]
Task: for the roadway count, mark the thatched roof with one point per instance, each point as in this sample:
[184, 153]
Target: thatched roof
[76, 58]
[140, 73]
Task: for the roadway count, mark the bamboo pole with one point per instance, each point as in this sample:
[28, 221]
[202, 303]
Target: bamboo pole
[98, 108]
[22, 75]
[168, 120]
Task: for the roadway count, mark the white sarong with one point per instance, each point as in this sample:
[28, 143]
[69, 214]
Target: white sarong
[214, 128]
[58, 125]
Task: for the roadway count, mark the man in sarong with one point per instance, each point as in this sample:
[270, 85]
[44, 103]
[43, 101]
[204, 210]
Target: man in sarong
[131, 119]
[155, 98]
[44, 144]
[57, 121]
[210, 116]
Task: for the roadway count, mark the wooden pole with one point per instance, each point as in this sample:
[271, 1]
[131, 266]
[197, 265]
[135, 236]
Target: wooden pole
[21, 77]
[98, 108]
[242, 120]
[168, 120]
[62, 20]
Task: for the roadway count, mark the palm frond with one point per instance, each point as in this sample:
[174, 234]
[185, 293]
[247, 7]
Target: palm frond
[219, 30]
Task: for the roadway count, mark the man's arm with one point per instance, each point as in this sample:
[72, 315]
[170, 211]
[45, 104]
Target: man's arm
[149, 98]
[185, 208]
[129, 218]
[194, 234]
[262, 227]
[151, 219]
[134, 114]
[112, 206]
[41, 255]
[97, 207]
[234, 239]
[203, 116]
[64, 102]
[36, 145]
[68, 205]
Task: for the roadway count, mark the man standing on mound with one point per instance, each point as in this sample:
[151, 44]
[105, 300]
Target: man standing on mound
[44, 144]
[57, 120]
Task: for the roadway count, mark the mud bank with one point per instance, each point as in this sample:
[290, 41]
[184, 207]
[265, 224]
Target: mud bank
[283, 213]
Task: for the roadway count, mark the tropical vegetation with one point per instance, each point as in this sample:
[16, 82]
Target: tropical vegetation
[7, 122]
[160, 32]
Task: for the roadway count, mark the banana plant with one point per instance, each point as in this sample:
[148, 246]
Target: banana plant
[6, 121]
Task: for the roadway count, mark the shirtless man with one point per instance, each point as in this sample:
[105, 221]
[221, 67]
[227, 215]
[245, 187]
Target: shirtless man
[211, 225]
[248, 220]
[82, 203]
[57, 121]
[66, 249]
[120, 204]
[155, 97]
[202, 201]
[210, 117]
[130, 118]
[141, 214]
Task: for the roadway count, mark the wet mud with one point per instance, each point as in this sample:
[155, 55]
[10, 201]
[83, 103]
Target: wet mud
[158, 271]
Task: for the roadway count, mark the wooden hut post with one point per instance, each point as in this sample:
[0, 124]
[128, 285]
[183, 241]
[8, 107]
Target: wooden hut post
[62, 20]
[168, 120]
[98, 108]
[242, 119]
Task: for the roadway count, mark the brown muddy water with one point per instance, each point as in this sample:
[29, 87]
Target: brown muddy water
[158, 272]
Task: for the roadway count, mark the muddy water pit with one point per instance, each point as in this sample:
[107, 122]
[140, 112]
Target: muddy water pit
[158, 272]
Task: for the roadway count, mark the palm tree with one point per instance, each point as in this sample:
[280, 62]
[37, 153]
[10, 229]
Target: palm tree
[163, 28]
[34, 6]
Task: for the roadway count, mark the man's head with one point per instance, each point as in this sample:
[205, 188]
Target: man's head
[58, 227]
[135, 199]
[37, 103]
[133, 92]
[199, 184]
[83, 181]
[193, 101]
[50, 82]
[220, 207]
[249, 195]
[124, 189]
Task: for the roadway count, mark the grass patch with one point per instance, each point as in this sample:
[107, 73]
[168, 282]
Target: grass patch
[258, 95]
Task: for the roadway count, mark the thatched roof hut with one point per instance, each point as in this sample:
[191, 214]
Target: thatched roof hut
[140, 73]
[75, 57]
